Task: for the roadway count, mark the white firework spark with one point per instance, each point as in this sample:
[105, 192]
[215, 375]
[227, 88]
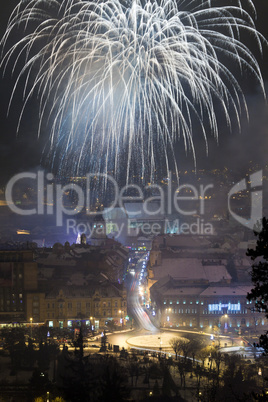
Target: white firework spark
[130, 77]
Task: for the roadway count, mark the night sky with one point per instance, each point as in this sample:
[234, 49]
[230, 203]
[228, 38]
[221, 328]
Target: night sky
[23, 152]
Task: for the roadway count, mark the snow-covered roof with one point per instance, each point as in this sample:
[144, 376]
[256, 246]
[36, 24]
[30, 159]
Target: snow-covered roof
[190, 269]
[226, 291]
[183, 291]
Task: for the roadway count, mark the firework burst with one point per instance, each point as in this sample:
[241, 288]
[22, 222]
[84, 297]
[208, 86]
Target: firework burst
[121, 81]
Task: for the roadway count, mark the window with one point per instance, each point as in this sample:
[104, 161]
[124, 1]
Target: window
[61, 324]
[115, 303]
[70, 306]
[50, 324]
[78, 306]
[48, 305]
[35, 304]
[104, 313]
[87, 305]
[69, 324]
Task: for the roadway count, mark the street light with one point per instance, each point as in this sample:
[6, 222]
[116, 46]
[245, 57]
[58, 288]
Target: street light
[225, 324]
[121, 320]
[31, 320]
[160, 348]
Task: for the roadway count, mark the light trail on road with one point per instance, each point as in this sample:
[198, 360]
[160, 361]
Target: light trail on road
[140, 316]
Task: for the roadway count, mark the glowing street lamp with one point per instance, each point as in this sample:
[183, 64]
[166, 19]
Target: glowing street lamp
[31, 320]
[121, 319]
[225, 322]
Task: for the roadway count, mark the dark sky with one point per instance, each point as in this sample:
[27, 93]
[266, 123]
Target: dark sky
[23, 152]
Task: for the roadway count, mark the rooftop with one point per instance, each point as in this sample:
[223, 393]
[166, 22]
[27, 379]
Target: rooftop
[190, 269]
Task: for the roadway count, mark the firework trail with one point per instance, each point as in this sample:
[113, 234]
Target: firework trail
[121, 81]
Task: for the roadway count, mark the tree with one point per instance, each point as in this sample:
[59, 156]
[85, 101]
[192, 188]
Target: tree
[156, 390]
[203, 354]
[175, 343]
[114, 382]
[259, 276]
[78, 343]
[218, 358]
[194, 346]
[168, 383]
[231, 268]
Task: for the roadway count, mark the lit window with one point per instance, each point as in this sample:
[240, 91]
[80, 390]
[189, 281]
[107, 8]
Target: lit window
[50, 324]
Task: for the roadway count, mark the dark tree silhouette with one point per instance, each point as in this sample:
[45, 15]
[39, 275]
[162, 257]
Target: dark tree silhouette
[231, 267]
[259, 276]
